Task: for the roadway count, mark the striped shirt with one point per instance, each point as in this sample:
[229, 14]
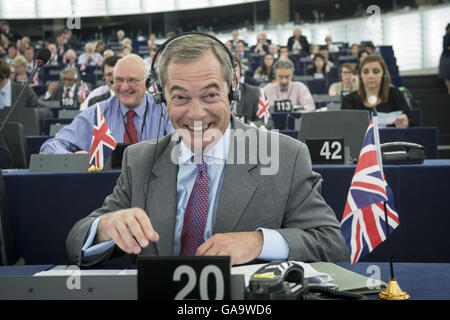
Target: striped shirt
[78, 135]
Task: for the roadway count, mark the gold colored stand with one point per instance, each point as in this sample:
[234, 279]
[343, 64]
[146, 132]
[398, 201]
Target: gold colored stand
[393, 292]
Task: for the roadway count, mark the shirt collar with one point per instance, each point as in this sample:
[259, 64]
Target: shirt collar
[217, 154]
[140, 109]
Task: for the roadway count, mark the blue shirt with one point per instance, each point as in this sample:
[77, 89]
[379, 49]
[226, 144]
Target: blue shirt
[275, 247]
[78, 135]
[5, 95]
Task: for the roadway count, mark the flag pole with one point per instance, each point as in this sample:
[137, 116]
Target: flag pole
[393, 290]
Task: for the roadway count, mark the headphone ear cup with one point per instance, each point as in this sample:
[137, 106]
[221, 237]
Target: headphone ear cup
[234, 95]
[158, 95]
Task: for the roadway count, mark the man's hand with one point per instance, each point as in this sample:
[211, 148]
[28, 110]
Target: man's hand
[130, 229]
[402, 121]
[241, 246]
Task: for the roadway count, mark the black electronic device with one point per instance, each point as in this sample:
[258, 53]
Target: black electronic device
[286, 281]
[114, 161]
[402, 153]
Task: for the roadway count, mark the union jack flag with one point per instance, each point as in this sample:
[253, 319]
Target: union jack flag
[363, 222]
[103, 143]
[263, 107]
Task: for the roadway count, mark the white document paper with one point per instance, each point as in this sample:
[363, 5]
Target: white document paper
[63, 270]
[385, 119]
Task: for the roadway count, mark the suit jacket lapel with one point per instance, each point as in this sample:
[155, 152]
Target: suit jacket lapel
[238, 187]
[162, 199]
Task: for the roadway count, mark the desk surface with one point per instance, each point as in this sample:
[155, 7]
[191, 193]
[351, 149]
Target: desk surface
[45, 206]
[422, 281]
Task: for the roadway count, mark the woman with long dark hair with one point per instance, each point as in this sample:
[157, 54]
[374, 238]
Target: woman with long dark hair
[375, 90]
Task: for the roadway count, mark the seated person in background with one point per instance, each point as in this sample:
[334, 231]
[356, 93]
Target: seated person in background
[246, 109]
[331, 47]
[131, 114]
[375, 85]
[265, 72]
[240, 219]
[285, 89]
[273, 50]
[20, 66]
[260, 47]
[6, 159]
[29, 56]
[298, 43]
[329, 59]
[99, 47]
[12, 53]
[65, 90]
[149, 59]
[354, 50]
[314, 50]
[107, 53]
[105, 91]
[9, 92]
[320, 70]
[349, 81]
[90, 57]
[239, 50]
[125, 50]
[54, 59]
[361, 55]
[70, 59]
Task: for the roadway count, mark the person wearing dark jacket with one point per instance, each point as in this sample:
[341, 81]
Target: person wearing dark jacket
[298, 43]
[6, 160]
[246, 109]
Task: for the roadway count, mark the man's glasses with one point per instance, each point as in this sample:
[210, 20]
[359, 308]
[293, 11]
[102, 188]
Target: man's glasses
[130, 81]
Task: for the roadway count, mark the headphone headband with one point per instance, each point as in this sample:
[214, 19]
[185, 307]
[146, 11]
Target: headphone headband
[234, 94]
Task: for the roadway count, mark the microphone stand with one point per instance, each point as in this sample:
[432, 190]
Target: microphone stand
[27, 84]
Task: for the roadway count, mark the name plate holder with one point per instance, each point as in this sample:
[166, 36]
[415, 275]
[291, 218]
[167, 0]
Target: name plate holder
[283, 106]
[192, 278]
[328, 151]
[71, 162]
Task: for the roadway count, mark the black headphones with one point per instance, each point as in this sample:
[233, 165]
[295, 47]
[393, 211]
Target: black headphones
[158, 96]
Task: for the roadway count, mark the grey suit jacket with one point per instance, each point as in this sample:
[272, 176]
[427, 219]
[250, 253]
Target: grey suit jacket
[288, 201]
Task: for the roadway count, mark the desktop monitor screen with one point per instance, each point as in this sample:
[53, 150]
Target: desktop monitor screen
[351, 125]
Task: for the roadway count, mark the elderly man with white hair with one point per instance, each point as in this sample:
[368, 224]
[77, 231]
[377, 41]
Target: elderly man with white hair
[90, 57]
[131, 114]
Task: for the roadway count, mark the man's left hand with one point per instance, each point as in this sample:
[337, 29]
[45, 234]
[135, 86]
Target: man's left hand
[242, 247]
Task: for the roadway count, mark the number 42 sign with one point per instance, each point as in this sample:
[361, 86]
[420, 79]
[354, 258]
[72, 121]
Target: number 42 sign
[326, 151]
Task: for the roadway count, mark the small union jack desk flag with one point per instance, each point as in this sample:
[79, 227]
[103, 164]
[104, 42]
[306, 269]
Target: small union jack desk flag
[363, 222]
[263, 107]
[103, 143]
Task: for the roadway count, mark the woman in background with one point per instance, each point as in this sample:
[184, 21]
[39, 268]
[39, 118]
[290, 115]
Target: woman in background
[349, 81]
[375, 90]
[264, 71]
[444, 62]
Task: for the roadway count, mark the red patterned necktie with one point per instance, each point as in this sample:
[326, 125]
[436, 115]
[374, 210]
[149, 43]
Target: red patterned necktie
[196, 212]
[67, 93]
[130, 129]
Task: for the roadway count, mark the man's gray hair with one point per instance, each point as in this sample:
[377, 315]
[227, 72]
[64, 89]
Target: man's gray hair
[284, 64]
[70, 69]
[190, 48]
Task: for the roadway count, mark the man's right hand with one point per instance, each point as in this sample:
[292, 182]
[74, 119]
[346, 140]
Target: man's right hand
[130, 229]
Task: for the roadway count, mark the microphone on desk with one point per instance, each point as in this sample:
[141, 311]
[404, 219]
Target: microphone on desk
[42, 57]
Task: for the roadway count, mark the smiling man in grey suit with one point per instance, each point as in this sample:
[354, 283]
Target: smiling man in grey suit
[164, 203]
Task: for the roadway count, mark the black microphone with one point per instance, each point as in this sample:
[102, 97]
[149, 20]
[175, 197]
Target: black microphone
[42, 57]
